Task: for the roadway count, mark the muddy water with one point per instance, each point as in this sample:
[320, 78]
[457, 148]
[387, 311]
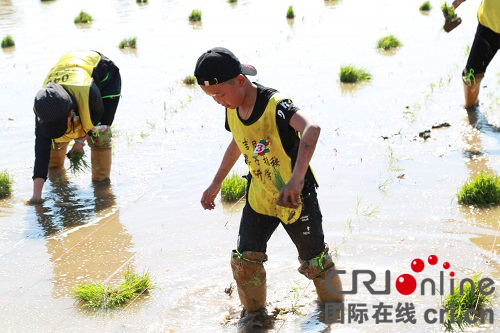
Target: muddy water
[387, 196]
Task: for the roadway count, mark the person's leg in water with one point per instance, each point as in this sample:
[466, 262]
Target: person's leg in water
[485, 45]
[247, 264]
[314, 257]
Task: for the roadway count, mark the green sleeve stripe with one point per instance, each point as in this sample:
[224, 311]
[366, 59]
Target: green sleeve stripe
[111, 96]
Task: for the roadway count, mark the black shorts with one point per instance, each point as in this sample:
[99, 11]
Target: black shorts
[485, 46]
[306, 233]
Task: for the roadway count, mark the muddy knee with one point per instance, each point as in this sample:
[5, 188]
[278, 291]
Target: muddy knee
[250, 276]
[318, 269]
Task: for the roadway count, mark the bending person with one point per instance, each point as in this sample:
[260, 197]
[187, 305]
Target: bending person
[78, 102]
[485, 46]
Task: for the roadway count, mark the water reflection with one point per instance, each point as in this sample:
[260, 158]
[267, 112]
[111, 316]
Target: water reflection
[84, 237]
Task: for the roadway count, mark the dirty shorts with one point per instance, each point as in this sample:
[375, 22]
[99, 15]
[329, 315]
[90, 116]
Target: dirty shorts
[306, 233]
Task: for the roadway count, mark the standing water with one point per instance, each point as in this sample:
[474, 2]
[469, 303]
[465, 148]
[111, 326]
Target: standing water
[387, 195]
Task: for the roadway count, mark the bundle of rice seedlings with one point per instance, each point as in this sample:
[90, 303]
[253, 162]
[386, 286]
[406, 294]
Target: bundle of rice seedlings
[278, 181]
[127, 42]
[461, 303]
[98, 295]
[448, 12]
[351, 74]
[77, 163]
[83, 18]
[290, 14]
[484, 190]
[189, 80]
[8, 41]
[233, 187]
[195, 15]
[6, 182]
[426, 6]
[388, 42]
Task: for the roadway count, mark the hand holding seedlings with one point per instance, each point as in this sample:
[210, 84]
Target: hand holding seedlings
[290, 194]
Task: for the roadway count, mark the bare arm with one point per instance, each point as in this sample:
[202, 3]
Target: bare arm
[457, 3]
[230, 157]
[37, 190]
[290, 194]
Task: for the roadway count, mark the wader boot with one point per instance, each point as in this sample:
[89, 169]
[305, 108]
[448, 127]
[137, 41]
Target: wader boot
[250, 275]
[471, 87]
[101, 154]
[101, 163]
[58, 155]
[317, 269]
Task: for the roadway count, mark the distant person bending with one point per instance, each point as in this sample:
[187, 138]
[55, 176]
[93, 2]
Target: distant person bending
[485, 45]
[265, 125]
[80, 92]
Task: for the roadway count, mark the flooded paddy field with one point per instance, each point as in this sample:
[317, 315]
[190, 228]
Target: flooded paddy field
[388, 196]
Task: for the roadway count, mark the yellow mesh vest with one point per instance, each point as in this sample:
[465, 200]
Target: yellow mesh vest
[74, 72]
[489, 14]
[264, 154]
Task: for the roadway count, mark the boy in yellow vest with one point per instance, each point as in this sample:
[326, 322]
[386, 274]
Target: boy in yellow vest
[78, 102]
[265, 126]
[485, 45]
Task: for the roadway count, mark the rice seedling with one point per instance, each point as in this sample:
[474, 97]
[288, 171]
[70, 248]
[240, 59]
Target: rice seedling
[6, 182]
[232, 1]
[233, 187]
[448, 12]
[141, 1]
[290, 14]
[83, 18]
[465, 297]
[8, 41]
[127, 42]
[351, 74]
[77, 163]
[426, 6]
[278, 181]
[195, 15]
[189, 80]
[388, 42]
[98, 295]
[483, 191]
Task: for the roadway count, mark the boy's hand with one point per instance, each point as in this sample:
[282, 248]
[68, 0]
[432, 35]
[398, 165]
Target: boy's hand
[208, 197]
[77, 147]
[290, 194]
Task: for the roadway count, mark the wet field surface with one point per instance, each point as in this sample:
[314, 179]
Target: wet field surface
[388, 196]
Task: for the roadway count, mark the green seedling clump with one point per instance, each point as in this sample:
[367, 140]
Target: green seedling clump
[8, 41]
[189, 80]
[5, 184]
[83, 18]
[232, 1]
[195, 16]
[461, 303]
[233, 187]
[77, 163]
[426, 6]
[448, 12]
[484, 190]
[388, 42]
[127, 42]
[278, 181]
[98, 295]
[290, 14]
[141, 1]
[351, 74]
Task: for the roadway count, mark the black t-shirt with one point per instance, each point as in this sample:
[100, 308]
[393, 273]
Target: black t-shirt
[288, 135]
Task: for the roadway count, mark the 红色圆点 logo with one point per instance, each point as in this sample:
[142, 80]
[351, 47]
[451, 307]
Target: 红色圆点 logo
[406, 284]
